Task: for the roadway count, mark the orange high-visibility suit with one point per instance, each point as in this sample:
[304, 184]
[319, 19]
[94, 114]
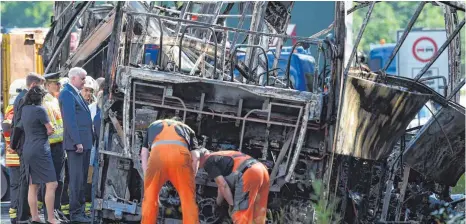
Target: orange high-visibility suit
[12, 158]
[12, 162]
[170, 160]
[248, 180]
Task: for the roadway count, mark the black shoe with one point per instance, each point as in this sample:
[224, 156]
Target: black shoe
[80, 219]
[13, 221]
[61, 217]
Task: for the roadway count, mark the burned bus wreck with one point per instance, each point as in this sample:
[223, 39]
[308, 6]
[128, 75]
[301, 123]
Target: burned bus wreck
[346, 131]
[405, 172]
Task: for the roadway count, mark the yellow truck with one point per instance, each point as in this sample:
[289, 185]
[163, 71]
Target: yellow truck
[20, 56]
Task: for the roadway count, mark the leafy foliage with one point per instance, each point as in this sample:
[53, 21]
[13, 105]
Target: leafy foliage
[389, 17]
[25, 14]
[324, 214]
[460, 186]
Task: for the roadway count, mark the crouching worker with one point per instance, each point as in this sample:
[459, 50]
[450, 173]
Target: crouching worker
[171, 145]
[242, 181]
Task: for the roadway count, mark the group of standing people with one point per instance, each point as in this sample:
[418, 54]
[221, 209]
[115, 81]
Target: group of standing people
[47, 128]
[48, 125]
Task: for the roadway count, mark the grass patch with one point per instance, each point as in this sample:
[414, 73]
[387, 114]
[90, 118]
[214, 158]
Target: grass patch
[460, 186]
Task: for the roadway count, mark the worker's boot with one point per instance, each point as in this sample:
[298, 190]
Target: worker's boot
[40, 206]
[87, 209]
[12, 213]
[65, 209]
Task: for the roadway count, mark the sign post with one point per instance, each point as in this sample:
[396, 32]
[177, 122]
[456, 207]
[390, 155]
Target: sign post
[418, 49]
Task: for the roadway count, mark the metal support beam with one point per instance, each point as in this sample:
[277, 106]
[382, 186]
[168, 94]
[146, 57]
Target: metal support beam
[358, 39]
[182, 14]
[387, 196]
[454, 49]
[300, 143]
[402, 193]
[112, 52]
[440, 51]
[456, 89]
[458, 5]
[337, 62]
[256, 24]
[68, 32]
[405, 34]
[359, 6]
[240, 23]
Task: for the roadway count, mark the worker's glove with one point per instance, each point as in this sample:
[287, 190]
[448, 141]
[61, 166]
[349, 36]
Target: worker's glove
[230, 210]
[221, 210]
[219, 201]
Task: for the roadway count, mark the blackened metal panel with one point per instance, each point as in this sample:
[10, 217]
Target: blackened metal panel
[374, 116]
[433, 154]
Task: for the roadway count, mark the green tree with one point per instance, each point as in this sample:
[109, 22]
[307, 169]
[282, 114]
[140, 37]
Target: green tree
[389, 17]
[25, 14]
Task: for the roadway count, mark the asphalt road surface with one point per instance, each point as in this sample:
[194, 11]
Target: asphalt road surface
[5, 218]
[4, 212]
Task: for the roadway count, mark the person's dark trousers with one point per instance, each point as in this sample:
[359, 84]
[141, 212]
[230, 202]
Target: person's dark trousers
[78, 166]
[58, 158]
[23, 212]
[65, 199]
[14, 191]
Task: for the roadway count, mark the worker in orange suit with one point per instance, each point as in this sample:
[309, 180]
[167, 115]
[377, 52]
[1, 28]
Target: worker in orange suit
[242, 181]
[12, 159]
[12, 162]
[174, 157]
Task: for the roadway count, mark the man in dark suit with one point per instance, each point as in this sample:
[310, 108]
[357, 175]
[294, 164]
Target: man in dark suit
[19, 176]
[78, 140]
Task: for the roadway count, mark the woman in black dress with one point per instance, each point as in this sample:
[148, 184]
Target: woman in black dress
[36, 152]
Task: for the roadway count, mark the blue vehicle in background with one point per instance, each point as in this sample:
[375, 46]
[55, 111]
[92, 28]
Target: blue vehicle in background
[302, 67]
[378, 57]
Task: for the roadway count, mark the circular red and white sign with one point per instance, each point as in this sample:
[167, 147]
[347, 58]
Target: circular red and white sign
[424, 49]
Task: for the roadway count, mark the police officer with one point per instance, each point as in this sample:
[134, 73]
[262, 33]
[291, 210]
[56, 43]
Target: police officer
[242, 181]
[172, 146]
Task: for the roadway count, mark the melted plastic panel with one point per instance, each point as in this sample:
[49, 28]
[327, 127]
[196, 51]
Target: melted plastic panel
[439, 154]
[374, 116]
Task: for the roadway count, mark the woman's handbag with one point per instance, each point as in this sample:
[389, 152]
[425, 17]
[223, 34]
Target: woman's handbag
[17, 138]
